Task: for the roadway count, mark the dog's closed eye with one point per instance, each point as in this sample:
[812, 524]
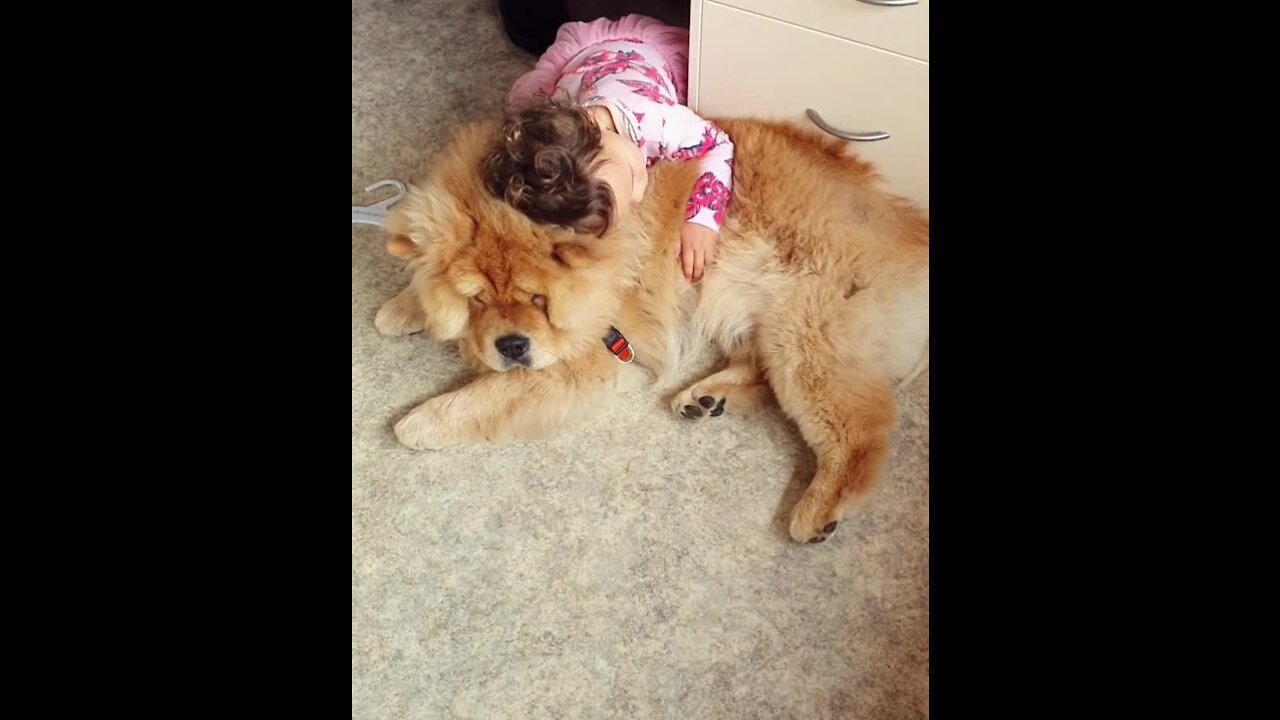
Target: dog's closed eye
[540, 301]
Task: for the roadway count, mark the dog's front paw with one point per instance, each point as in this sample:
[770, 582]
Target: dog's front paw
[422, 429]
[401, 315]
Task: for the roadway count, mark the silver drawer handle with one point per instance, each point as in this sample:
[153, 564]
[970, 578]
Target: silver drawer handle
[860, 137]
[891, 3]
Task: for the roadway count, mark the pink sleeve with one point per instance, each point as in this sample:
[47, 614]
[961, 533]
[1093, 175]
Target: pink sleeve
[688, 137]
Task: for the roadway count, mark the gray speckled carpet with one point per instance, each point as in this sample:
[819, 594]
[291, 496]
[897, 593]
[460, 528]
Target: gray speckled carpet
[634, 568]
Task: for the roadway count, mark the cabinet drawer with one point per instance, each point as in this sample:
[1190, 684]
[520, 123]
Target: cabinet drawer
[901, 29]
[756, 67]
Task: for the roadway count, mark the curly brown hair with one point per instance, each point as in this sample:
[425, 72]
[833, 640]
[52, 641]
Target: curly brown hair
[543, 164]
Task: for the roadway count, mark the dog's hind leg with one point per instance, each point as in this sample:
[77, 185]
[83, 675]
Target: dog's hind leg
[842, 404]
[739, 389]
[401, 315]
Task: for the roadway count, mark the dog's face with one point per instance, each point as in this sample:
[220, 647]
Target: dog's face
[514, 294]
[512, 304]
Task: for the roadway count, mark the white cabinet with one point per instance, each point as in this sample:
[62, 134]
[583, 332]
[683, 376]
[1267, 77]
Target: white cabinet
[862, 68]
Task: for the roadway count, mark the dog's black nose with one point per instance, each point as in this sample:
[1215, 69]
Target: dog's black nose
[512, 346]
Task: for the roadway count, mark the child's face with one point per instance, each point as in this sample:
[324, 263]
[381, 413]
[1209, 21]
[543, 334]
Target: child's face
[622, 167]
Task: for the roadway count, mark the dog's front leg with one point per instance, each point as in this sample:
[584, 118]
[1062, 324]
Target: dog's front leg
[500, 407]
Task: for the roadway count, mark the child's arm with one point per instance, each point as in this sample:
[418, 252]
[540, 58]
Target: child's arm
[710, 197]
[688, 137]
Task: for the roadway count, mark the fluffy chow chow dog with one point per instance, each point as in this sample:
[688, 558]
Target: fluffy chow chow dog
[818, 301]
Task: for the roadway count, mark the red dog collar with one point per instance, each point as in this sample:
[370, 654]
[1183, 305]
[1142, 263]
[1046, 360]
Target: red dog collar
[619, 346]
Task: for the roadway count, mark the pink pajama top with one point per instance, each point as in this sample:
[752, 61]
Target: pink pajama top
[633, 79]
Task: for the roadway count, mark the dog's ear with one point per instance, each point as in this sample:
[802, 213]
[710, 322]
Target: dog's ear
[399, 243]
[572, 255]
[402, 247]
[577, 300]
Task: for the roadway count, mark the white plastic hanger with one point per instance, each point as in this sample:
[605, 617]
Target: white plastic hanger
[376, 213]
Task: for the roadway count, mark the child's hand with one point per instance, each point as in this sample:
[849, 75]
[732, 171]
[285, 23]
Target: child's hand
[697, 250]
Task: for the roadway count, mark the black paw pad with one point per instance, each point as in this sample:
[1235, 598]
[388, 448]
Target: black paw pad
[719, 408]
[707, 401]
[691, 411]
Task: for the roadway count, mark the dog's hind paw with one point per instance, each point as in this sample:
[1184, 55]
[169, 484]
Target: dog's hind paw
[707, 406]
[714, 397]
[812, 524]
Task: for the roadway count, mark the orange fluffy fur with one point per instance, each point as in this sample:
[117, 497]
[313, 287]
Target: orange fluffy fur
[818, 300]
